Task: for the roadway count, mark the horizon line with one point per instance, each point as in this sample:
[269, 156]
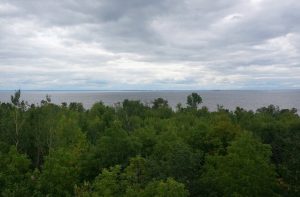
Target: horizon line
[144, 90]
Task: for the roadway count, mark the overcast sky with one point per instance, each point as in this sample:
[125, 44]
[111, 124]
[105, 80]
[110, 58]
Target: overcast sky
[149, 44]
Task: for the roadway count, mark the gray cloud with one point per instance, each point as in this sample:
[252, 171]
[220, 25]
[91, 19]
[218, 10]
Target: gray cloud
[139, 44]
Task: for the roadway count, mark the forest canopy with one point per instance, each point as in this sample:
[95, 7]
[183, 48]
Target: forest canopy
[138, 150]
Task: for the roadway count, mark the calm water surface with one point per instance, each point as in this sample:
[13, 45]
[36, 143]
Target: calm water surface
[230, 99]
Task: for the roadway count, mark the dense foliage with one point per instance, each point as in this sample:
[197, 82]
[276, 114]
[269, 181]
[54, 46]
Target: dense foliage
[138, 150]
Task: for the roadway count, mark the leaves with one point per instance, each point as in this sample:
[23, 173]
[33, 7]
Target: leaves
[134, 150]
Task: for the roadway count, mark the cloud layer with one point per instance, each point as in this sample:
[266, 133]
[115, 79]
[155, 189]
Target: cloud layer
[141, 44]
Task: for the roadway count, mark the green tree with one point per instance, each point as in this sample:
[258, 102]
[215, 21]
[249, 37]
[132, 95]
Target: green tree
[136, 173]
[38, 131]
[107, 184]
[59, 174]
[245, 171]
[168, 188]
[15, 174]
[113, 148]
[160, 103]
[134, 150]
[17, 113]
[193, 100]
[289, 167]
[172, 157]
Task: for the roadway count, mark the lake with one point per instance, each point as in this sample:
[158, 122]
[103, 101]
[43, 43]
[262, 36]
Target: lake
[230, 99]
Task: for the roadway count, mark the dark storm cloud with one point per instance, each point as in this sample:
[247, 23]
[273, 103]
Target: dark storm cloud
[165, 44]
